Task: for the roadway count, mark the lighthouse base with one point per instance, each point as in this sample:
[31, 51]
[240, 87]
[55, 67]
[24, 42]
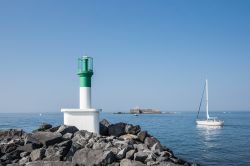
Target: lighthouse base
[83, 119]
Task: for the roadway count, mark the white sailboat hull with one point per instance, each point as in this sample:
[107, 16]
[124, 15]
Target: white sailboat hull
[210, 122]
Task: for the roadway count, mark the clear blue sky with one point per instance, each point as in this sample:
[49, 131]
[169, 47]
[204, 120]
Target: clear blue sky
[153, 54]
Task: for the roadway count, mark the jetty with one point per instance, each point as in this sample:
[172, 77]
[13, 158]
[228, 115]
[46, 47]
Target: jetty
[118, 144]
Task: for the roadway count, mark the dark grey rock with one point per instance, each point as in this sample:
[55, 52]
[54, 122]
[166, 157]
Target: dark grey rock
[104, 124]
[53, 129]
[156, 147]
[24, 160]
[130, 154]
[29, 139]
[127, 162]
[160, 159]
[114, 150]
[122, 153]
[74, 147]
[130, 129]
[58, 151]
[49, 163]
[28, 147]
[50, 151]
[7, 148]
[79, 141]
[83, 134]
[47, 138]
[99, 145]
[110, 138]
[43, 127]
[128, 137]
[53, 158]
[152, 162]
[126, 145]
[7, 157]
[117, 129]
[150, 141]
[140, 156]
[24, 154]
[13, 164]
[67, 136]
[120, 144]
[141, 147]
[11, 133]
[142, 135]
[167, 163]
[67, 129]
[114, 164]
[166, 154]
[151, 157]
[37, 154]
[67, 144]
[93, 157]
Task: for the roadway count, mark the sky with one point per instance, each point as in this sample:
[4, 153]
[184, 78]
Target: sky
[151, 54]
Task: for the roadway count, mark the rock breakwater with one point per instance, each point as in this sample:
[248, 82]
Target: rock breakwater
[118, 144]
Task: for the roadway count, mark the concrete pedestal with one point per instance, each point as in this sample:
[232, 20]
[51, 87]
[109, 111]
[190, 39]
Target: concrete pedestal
[83, 119]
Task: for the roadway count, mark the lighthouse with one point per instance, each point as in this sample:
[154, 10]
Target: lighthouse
[85, 117]
[85, 72]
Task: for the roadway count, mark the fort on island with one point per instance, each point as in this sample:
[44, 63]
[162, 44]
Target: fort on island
[144, 111]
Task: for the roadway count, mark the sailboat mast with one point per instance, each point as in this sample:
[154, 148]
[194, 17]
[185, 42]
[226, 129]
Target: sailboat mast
[207, 99]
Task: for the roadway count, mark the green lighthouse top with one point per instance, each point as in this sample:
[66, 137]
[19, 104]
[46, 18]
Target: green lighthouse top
[85, 66]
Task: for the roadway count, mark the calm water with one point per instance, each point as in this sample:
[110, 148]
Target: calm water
[229, 145]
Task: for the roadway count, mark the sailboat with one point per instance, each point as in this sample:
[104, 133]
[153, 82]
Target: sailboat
[209, 121]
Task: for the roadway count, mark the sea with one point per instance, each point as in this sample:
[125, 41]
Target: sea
[207, 146]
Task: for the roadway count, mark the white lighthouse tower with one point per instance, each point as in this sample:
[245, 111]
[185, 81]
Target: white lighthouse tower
[85, 118]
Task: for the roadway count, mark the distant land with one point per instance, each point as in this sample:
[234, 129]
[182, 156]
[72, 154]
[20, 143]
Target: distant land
[144, 111]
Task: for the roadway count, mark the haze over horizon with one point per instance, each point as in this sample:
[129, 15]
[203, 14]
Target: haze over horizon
[151, 54]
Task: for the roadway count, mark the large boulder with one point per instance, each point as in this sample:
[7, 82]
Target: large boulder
[9, 157]
[142, 135]
[29, 139]
[84, 134]
[37, 154]
[28, 147]
[24, 160]
[127, 162]
[130, 129]
[104, 130]
[11, 133]
[47, 138]
[58, 151]
[130, 154]
[140, 156]
[43, 127]
[49, 163]
[150, 141]
[93, 157]
[129, 137]
[53, 129]
[9, 147]
[117, 129]
[63, 129]
[122, 153]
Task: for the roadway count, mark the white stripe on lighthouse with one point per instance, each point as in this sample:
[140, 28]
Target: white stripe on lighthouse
[85, 97]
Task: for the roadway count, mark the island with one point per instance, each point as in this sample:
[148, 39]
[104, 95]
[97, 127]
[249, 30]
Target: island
[144, 111]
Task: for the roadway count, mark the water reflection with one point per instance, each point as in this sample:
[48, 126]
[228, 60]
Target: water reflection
[208, 136]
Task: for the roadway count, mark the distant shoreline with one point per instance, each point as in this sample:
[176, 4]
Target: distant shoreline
[168, 112]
